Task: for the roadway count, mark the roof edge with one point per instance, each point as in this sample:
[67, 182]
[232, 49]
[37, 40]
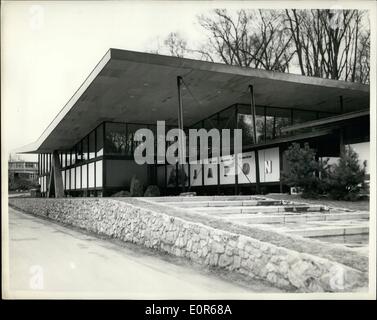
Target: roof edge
[151, 58]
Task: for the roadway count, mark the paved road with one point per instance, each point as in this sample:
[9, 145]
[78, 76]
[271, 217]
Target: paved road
[65, 261]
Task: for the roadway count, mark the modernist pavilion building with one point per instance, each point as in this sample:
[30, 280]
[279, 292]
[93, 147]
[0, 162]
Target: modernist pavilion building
[87, 150]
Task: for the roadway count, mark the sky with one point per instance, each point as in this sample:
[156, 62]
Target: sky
[49, 48]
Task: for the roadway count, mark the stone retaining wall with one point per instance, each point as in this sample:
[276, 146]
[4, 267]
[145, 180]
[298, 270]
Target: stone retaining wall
[284, 268]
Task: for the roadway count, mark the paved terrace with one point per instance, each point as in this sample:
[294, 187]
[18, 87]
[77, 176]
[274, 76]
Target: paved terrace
[338, 234]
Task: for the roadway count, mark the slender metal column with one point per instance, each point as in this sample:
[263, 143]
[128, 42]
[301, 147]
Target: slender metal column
[253, 113]
[180, 126]
[341, 130]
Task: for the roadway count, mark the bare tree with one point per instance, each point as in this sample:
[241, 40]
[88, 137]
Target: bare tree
[323, 43]
[176, 45]
[327, 42]
[249, 38]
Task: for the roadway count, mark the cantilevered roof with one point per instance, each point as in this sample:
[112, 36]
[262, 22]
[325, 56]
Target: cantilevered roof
[137, 87]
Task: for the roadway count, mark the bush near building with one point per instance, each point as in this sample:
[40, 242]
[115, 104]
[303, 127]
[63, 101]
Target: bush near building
[341, 181]
[21, 184]
[346, 178]
[152, 191]
[304, 171]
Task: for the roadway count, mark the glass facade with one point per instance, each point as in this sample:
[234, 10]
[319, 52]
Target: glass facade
[44, 167]
[117, 140]
[84, 166]
[81, 166]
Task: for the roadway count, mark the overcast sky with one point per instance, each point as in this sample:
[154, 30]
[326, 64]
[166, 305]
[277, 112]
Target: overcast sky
[49, 48]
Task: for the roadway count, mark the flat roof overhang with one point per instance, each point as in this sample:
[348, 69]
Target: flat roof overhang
[128, 86]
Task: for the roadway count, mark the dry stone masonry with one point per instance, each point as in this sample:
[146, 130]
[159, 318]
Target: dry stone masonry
[282, 267]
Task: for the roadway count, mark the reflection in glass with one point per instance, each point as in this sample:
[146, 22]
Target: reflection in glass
[92, 145]
[91, 174]
[72, 171]
[117, 141]
[99, 173]
[99, 147]
[79, 152]
[84, 176]
[78, 177]
[85, 148]
[68, 158]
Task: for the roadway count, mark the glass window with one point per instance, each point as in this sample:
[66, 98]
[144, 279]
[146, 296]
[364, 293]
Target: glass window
[300, 116]
[245, 123]
[91, 174]
[84, 176]
[270, 128]
[79, 152]
[73, 179]
[85, 148]
[63, 178]
[92, 145]
[99, 147]
[73, 156]
[42, 164]
[67, 179]
[78, 177]
[227, 119]
[99, 173]
[211, 122]
[276, 119]
[68, 158]
[132, 145]
[116, 139]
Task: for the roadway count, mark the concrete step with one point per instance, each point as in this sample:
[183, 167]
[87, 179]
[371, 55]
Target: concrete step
[259, 209]
[287, 218]
[222, 203]
[203, 198]
[331, 231]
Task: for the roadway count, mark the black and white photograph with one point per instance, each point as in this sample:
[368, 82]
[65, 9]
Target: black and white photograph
[211, 150]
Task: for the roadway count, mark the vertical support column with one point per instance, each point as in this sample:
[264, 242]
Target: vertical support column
[236, 190]
[180, 126]
[281, 168]
[253, 113]
[341, 130]
[56, 176]
[220, 154]
[103, 160]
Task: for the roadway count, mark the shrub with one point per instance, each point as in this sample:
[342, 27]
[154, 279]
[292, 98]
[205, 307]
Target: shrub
[152, 191]
[347, 177]
[136, 188]
[22, 184]
[304, 171]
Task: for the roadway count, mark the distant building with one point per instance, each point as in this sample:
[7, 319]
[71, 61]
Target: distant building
[22, 170]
